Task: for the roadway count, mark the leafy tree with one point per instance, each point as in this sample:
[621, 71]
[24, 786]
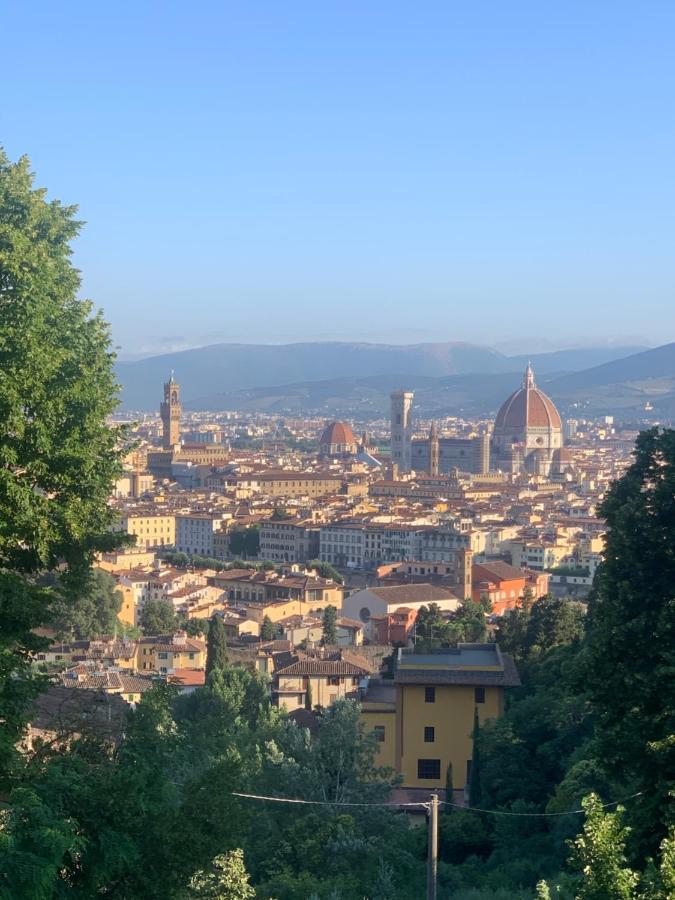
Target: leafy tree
[245, 542]
[226, 879]
[267, 629]
[195, 627]
[158, 617]
[329, 631]
[598, 853]
[59, 459]
[325, 570]
[216, 646]
[553, 622]
[93, 612]
[631, 635]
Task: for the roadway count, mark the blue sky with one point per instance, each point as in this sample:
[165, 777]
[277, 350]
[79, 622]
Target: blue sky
[268, 171]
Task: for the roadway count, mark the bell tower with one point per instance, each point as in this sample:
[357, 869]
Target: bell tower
[170, 410]
[401, 429]
[433, 450]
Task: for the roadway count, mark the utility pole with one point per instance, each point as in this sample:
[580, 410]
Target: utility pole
[432, 857]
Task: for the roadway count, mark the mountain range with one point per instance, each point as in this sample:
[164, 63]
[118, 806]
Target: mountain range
[254, 375]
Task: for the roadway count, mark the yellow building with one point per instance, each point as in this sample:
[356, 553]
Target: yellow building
[165, 653]
[150, 527]
[327, 676]
[424, 718]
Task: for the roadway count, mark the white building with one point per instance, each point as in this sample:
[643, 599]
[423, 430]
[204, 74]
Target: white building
[194, 532]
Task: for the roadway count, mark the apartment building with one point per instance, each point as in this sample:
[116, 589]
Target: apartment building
[289, 541]
[150, 526]
[424, 719]
[195, 532]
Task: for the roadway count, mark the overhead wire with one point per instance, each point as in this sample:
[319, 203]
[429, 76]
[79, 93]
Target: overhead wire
[426, 805]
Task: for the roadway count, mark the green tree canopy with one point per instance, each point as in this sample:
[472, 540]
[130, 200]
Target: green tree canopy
[158, 617]
[92, 612]
[216, 646]
[329, 631]
[58, 457]
[631, 635]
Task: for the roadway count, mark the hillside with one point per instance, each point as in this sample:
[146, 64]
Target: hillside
[221, 369]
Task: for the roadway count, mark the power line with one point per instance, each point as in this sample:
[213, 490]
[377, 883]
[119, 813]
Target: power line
[427, 805]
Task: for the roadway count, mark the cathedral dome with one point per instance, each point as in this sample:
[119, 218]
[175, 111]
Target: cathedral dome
[338, 437]
[526, 408]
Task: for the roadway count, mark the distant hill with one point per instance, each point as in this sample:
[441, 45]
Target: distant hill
[656, 363]
[221, 369]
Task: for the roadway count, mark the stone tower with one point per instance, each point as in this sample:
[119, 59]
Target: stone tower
[170, 411]
[401, 429]
[433, 450]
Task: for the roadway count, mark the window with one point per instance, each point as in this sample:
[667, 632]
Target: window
[429, 734]
[429, 694]
[379, 733]
[162, 656]
[334, 679]
[479, 694]
[429, 768]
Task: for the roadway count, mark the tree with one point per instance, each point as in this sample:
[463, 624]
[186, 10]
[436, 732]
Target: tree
[196, 627]
[309, 704]
[93, 612]
[449, 788]
[158, 617]
[245, 542]
[598, 853]
[325, 570]
[329, 632]
[552, 621]
[59, 459]
[267, 629]
[475, 795]
[431, 627]
[226, 879]
[216, 646]
[631, 635]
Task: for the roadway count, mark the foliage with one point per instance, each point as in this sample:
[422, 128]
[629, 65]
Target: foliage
[630, 656]
[245, 542]
[195, 627]
[158, 617]
[534, 628]
[268, 629]
[216, 646]
[435, 629]
[329, 631]
[599, 855]
[92, 612]
[58, 458]
[226, 879]
[325, 570]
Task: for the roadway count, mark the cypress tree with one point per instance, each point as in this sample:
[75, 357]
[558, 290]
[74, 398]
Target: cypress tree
[474, 778]
[216, 646]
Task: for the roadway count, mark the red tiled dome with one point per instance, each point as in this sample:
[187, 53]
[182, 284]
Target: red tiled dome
[337, 433]
[528, 407]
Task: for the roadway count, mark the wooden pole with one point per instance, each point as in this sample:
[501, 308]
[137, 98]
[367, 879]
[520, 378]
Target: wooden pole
[432, 857]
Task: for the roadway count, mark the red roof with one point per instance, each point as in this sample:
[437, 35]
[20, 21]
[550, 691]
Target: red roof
[528, 407]
[337, 433]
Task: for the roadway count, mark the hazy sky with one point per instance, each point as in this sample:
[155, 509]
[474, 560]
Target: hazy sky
[274, 171]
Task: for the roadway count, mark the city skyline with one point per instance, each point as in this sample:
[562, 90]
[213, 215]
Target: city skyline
[319, 166]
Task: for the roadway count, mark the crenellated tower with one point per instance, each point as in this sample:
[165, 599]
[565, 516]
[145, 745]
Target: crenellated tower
[170, 412]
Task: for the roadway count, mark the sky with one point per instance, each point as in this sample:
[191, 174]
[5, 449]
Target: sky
[500, 173]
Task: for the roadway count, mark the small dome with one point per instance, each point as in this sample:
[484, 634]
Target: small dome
[337, 434]
[528, 407]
